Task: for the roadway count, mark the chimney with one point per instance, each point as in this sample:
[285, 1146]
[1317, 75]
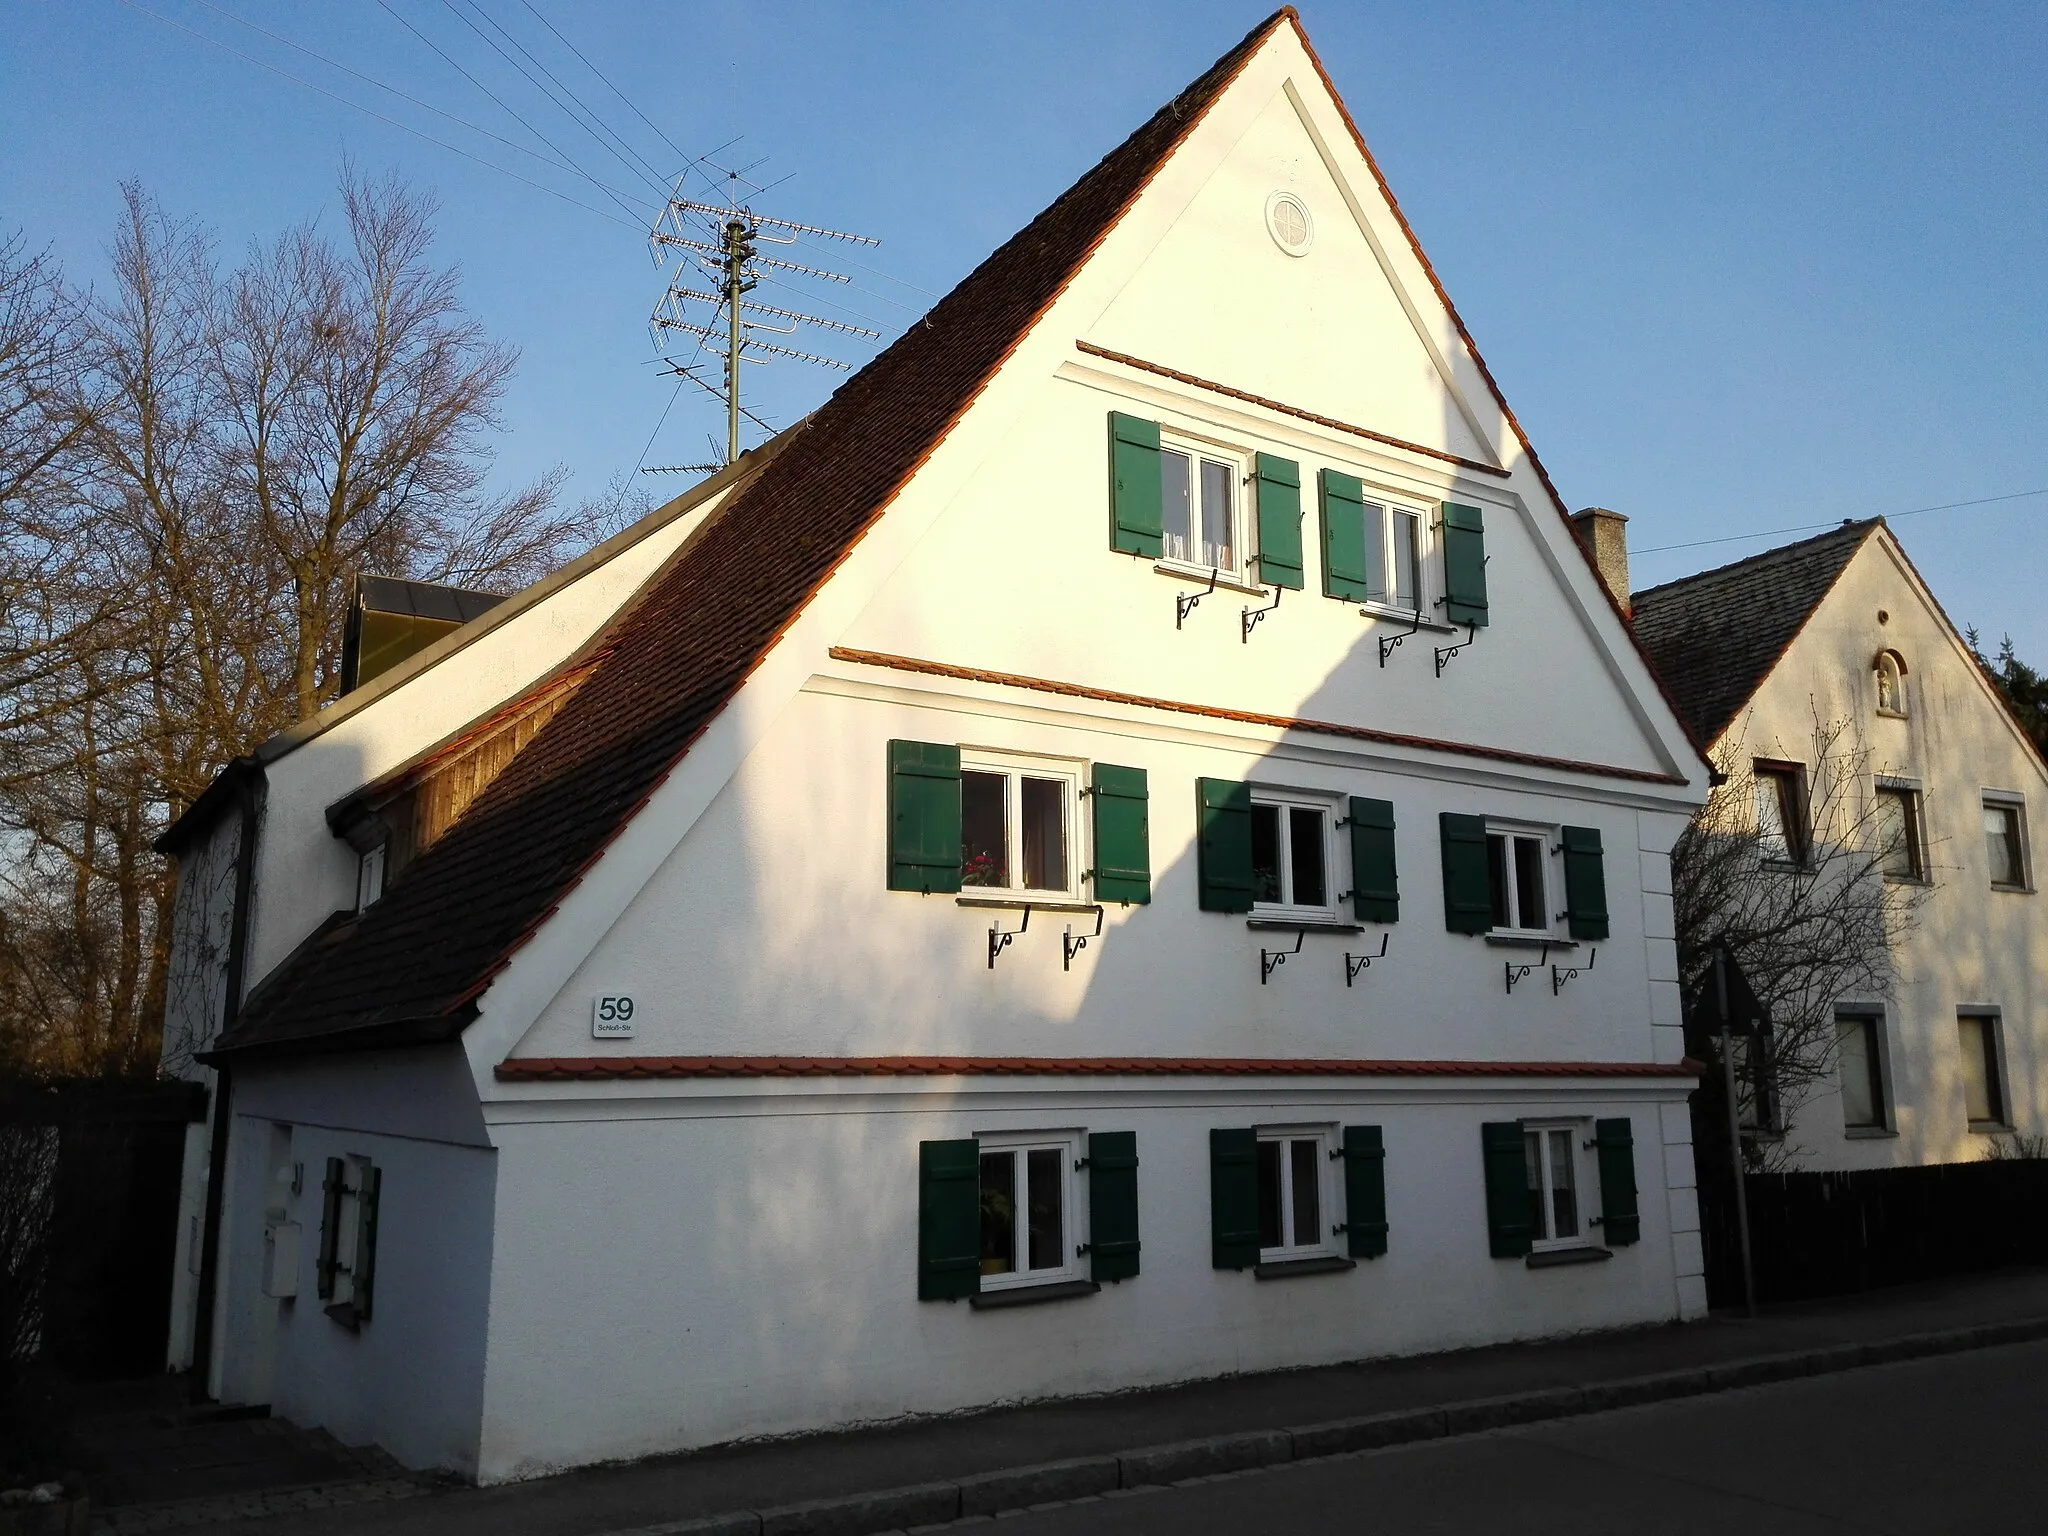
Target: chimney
[1605, 535]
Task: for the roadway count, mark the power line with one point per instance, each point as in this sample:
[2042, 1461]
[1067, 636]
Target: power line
[650, 122]
[1772, 533]
[649, 172]
[426, 106]
[504, 106]
[285, 74]
[646, 175]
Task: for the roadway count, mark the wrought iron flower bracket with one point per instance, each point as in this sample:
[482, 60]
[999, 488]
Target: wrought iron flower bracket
[1071, 944]
[1517, 973]
[1355, 965]
[1184, 602]
[1270, 960]
[1390, 643]
[1444, 653]
[1249, 619]
[999, 938]
[1559, 977]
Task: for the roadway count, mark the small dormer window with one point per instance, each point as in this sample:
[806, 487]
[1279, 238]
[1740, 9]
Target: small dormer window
[1891, 684]
[370, 877]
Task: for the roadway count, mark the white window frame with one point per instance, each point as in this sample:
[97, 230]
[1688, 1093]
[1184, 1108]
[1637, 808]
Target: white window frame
[1553, 885]
[1238, 460]
[1073, 1212]
[370, 877]
[2000, 1085]
[1017, 766]
[2016, 805]
[1579, 1132]
[1427, 543]
[1286, 800]
[1325, 1139]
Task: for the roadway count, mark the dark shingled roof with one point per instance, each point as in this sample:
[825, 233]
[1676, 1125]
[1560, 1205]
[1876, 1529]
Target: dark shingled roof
[411, 968]
[1714, 637]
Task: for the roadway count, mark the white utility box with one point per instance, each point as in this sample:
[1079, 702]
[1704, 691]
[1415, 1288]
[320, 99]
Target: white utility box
[281, 1259]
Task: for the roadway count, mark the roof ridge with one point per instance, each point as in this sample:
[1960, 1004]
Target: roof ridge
[1864, 524]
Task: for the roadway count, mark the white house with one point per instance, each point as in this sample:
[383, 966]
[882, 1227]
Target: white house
[1841, 631]
[1129, 846]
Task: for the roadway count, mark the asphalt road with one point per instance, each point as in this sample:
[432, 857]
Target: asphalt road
[1955, 1444]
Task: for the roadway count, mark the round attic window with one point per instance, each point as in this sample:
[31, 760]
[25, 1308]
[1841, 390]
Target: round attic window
[1288, 222]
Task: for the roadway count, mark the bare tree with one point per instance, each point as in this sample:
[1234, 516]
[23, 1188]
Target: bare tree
[1810, 919]
[214, 457]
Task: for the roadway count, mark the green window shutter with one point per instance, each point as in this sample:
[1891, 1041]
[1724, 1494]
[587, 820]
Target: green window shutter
[1619, 1217]
[924, 817]
[1233, 1199]
[1112, 1205]
[948, 1219]
[363, 1277]
[1365, 1192]
[1464, 564]
[1123, 843]
[331, 1189]
[1223, 845]
[1468, 898]
[1375, 887]
[1585, 883]
[1134, 488]
[1279, 483]
[1510, 1220]
[1343, 505]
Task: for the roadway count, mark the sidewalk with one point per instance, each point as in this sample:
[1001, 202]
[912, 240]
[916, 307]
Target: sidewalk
[775, 1473]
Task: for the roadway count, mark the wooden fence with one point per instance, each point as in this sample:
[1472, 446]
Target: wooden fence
[1832, 1234]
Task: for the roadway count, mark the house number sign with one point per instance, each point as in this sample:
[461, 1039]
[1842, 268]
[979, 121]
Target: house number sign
[611, 1018]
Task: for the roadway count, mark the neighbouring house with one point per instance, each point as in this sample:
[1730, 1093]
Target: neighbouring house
[1825, 677]
[1131, 845]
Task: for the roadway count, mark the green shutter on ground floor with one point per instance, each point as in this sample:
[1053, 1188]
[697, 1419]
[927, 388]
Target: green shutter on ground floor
[1365, 1192]
[924, 817]
[363, 1275]
[1620, 1220]
[1510, 1214]
[1233, 1198]
[948, 1219]
[1112, 1205]
[1123, 839]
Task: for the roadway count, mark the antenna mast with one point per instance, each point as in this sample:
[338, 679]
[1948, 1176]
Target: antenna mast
[722, 241]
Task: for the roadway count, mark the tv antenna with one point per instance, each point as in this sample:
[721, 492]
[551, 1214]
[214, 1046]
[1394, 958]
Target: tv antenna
[717, 246]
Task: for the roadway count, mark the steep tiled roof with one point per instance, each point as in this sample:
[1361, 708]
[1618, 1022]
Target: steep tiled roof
[413, 965]
[1714, 637]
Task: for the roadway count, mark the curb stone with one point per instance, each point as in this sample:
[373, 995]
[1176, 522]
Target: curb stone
[1016, 1488]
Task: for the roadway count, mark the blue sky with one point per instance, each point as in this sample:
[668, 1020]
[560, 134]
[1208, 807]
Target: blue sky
[1738, 267]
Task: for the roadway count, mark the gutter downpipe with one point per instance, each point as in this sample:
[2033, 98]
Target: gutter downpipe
[250, 795]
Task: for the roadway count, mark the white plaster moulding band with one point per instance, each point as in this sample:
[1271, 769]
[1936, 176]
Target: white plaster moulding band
[1136, 723]
[724, 1098]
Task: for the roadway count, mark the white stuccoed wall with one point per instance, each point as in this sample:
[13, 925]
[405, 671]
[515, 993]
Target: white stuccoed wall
[769, 1281]
[411, 1380]
[1972, 946]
